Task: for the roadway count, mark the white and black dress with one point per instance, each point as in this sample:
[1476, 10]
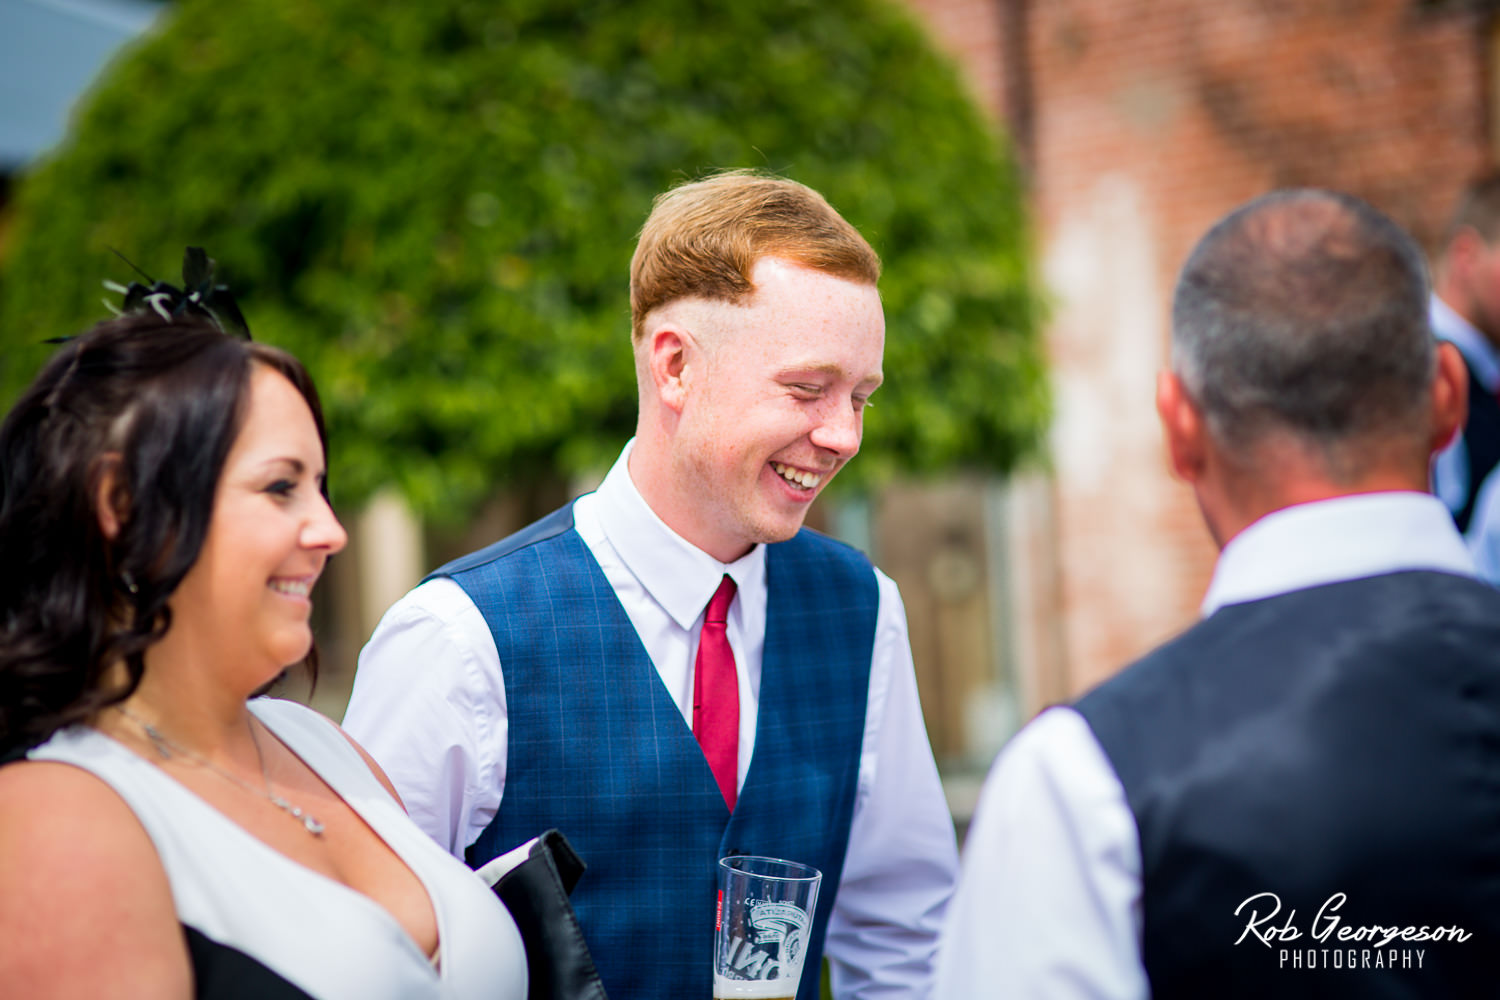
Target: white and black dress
[259, 924]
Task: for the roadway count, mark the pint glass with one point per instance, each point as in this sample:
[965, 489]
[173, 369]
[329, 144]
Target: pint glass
[764, 918]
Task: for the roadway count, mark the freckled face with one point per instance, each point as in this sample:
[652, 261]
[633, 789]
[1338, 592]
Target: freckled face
[270, 534]
[779, 408]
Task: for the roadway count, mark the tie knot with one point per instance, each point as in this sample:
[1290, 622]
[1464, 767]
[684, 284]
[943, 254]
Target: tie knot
[718, 605]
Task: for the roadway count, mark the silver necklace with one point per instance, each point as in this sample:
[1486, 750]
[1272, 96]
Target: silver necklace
[167, 748]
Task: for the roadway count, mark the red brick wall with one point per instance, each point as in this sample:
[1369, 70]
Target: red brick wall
[1142, 121]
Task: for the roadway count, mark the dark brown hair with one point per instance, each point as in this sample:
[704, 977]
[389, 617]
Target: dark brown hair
[159, 403]
[1478, 209]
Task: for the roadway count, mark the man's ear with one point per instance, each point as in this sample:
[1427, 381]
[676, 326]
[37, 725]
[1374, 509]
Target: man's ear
[1449, 396]
[667, 361]
[1182, 426]
[111, 497]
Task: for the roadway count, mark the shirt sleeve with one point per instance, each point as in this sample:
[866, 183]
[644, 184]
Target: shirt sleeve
[429, 705]
[1048, 906]
[902, 858]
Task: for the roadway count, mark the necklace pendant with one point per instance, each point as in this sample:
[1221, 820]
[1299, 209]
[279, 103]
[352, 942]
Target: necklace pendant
[308, 820]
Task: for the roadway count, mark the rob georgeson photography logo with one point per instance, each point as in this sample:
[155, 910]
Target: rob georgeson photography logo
[1330, 942]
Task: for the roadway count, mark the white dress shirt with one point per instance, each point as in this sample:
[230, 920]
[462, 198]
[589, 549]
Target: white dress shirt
[1049, 902]
[429, 705]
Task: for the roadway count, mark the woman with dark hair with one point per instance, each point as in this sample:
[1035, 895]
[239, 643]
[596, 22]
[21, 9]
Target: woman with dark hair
[163, 518]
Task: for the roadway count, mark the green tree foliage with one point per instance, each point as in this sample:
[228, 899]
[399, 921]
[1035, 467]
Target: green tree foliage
[434, 204]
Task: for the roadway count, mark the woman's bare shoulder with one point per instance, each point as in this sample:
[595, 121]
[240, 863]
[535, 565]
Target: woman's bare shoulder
[77, 866]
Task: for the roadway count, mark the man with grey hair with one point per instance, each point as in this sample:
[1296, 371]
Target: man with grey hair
[1298, 796]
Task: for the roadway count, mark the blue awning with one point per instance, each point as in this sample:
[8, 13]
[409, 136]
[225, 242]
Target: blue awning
[50, 52]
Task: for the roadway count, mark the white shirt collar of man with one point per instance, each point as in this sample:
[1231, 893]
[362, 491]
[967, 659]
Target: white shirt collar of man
[1345, 538]
[680, 576]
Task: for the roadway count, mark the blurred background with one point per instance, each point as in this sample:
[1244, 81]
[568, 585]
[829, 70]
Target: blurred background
[434, 206]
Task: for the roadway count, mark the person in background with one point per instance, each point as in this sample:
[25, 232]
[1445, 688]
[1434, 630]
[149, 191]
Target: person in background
[164, 831]
[1320, 754]
[1465, 311]
[672, 669]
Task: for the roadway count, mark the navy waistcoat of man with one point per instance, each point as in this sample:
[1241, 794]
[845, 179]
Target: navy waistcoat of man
[1337, 749]
[598, 749]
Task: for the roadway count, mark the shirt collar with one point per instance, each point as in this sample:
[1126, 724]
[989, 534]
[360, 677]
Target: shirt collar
[680, 576]
[1480, 355]
[1330, 541]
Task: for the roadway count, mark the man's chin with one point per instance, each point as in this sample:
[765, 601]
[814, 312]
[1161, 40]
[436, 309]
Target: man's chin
[778, 530]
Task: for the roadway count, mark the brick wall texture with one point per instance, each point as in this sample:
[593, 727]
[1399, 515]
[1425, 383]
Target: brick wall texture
[1140, 123]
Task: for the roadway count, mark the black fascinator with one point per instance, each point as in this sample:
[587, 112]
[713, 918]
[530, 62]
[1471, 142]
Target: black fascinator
[198, 296]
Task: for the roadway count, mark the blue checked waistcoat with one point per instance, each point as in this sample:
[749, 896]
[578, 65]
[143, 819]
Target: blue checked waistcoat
[598, 749]
[1338, 739]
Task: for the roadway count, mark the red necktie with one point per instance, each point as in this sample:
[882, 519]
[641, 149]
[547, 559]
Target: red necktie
[716, 694]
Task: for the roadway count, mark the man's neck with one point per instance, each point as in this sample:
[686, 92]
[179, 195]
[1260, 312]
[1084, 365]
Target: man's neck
[1284, 474]
[650, 470]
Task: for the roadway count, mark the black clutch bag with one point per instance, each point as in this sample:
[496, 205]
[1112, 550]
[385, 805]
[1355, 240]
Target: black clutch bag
[533, 881]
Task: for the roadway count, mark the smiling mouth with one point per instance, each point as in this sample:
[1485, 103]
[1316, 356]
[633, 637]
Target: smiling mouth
[292, 588]
[799, 479]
